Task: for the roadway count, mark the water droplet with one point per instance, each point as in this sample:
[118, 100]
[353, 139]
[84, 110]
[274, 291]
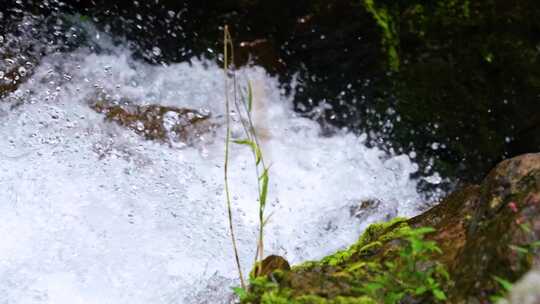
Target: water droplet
[140, 126]
[434, 179]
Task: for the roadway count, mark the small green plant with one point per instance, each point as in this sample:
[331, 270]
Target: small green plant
[228, 45]
[244, 107]
[505, 285]
[413, 273]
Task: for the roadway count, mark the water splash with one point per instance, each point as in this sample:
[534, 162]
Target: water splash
[93, 213]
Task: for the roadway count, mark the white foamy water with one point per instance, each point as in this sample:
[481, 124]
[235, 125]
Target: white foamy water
[90, 212]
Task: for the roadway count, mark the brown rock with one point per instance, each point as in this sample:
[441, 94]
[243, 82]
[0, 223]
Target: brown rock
[484, 231]
[487, 230]
[160, 123]
[272, 263]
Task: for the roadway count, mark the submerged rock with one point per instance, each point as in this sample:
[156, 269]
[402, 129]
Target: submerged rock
[8, 83]
[13, 75]
[487, 233]
[176, 126]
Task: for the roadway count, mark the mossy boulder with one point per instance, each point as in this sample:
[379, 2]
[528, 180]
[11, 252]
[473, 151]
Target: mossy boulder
[484, 232]
[344, 277]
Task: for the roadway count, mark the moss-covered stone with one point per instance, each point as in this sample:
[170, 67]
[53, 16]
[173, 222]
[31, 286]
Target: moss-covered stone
[478, 239]
[339, 278]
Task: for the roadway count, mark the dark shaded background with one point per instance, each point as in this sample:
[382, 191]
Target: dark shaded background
[465, 96]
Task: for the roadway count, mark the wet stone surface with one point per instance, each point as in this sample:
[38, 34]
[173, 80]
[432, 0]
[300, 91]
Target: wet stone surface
[172, 125]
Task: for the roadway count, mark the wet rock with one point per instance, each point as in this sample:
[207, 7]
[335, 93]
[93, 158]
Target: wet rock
[526, 290]
[175, 126]
[271, 264]
[484, 231]
[372, 208]
[365, 206]
[487, 230]
[12, 78]
[503, 224]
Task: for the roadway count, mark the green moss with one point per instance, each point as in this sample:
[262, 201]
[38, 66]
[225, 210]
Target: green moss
[372, 239]
[311, 299]
[345, 276]
[390, 37]
[279, 298]
[274, 297]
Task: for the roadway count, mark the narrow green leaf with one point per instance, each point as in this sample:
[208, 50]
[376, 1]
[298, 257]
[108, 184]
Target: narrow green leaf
[535, 244]
[442, 271]
[254, 147]
[525, 227]
[495, 298]
[267, 219]
[258, 154]
[264, 187]
[240, 292]
[246, 142]
[420, 290]
[439, 294]
[421, 231]
[249, 97]
[519, 249]
[507, 285]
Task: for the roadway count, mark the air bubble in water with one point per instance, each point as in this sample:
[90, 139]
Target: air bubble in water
[156, 51]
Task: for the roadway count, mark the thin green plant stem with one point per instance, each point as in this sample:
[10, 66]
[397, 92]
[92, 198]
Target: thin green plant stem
[251, 135]
[244, 112]
[227, 42]
[260, 246]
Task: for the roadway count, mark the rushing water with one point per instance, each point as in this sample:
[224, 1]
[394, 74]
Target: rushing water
[90, 212]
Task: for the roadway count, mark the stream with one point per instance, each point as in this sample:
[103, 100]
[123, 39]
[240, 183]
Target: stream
[92, 212]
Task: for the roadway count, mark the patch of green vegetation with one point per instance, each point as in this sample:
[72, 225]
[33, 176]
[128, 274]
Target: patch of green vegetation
[372, 239]
[412, 274]
[243, 107]
[505, 287]
[390, 261]
[390, 37]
